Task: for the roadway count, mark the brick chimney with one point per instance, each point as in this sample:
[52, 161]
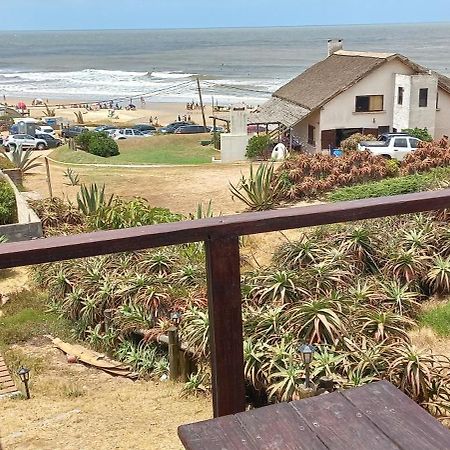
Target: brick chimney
[335, 45]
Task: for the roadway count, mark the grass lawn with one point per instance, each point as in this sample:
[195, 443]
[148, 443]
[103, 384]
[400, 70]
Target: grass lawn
[438, 319]
[26, 315]
[170, 149]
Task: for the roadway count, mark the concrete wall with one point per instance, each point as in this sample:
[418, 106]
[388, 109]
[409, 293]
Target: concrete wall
[29, 225]
[422, 117]
[443, 115]
[340, 111]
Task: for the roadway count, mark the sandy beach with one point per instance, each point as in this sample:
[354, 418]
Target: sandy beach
[164, 112]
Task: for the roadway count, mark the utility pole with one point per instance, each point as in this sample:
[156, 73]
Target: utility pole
[201, 103]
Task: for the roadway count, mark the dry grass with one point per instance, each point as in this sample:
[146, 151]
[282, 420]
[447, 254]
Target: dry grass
[75, 407]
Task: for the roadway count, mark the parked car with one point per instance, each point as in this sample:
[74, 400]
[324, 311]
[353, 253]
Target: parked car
[125, 133]
[52, 141]
[72, 132]
[168, 129]
[47, 129]
[216, 129]
[191, 129]
[27, 141]
[391, 145]
[104, 128]
[144, 128]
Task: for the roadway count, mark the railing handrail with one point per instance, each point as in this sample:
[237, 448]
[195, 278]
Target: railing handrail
[220, 235]
[138, 238]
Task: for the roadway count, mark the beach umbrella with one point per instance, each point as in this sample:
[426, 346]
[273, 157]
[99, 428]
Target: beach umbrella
[21, 105]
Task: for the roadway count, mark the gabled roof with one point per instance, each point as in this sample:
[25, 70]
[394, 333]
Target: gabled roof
[333, 75]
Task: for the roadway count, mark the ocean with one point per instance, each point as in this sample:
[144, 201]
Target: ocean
[234, 64]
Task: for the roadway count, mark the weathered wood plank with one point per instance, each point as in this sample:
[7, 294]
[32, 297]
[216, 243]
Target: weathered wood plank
[223, 433]
[225, 317]
[279, 427]
[408, 425]
[340, 425]
[104, 242]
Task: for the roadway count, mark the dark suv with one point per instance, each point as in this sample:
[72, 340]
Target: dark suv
[191, 129]
[173, 126]
[72, 132]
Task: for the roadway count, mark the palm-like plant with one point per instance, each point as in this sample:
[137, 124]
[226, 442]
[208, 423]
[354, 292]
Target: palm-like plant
[277, 286]
[439, 275]
[398, 297]
[23, 159]
[264, 323]
[261, 190]
[412, 371]
[407, 266]
[297, 254]
[320, 321]
[253, 360]
[91, 198]
[195, 331]
[383, 325]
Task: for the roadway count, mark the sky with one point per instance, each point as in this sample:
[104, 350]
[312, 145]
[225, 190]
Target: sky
[145, 14]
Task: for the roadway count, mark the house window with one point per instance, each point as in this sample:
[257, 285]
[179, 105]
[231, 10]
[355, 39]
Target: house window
[401, 91]
[369, 103]
[423, 97]
[311, 135]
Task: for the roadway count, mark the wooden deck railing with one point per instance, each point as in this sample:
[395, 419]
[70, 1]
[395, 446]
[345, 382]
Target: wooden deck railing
[221, 237]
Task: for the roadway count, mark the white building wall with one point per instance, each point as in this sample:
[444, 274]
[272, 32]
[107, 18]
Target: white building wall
[422, 117]
[400, 119]
[301, 129]
[340, 111]
[442, 115]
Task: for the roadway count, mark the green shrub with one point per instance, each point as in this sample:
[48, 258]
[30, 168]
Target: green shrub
[99, 144]
[390, 186]
[257, 145]
[419, 133]
[8, 207]
[102, 145]
[125, 214]
[351, 143]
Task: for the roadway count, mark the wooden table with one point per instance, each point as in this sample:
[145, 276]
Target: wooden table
[375, 416]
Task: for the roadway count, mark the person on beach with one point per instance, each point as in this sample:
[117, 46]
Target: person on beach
[178, 118]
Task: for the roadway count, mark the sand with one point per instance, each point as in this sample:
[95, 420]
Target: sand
[165, 112]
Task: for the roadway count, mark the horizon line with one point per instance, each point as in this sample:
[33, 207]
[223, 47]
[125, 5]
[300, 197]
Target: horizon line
[228, 27]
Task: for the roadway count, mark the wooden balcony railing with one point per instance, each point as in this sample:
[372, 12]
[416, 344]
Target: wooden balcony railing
[221, 237]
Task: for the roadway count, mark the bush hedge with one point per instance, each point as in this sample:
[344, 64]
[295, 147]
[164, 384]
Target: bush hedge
[99, 144]
[383, 188]
[8, 207]
[257, 145]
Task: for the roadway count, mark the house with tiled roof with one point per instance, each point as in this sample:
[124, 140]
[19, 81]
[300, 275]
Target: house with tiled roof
[367, 92]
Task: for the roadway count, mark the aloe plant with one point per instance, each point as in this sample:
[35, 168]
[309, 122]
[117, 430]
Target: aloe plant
[23, 160]
[91, 198]
[262, 189]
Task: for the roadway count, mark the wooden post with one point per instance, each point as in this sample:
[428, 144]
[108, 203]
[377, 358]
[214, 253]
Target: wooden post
[49, 180]
[201, 103]
[174, 354]
[225, 317]
[290, 139]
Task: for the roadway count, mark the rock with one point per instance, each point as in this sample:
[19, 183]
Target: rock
[71, 359]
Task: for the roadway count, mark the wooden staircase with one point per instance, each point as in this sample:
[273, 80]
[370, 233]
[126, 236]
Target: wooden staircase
[7, 386]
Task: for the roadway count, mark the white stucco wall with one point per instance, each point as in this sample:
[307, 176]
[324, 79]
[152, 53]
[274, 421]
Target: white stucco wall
[340, 111]
[443, 115]
[422, 117]
[400, 119]
[301, 129]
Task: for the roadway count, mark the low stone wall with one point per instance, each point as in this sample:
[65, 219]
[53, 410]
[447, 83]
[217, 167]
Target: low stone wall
[28, 225]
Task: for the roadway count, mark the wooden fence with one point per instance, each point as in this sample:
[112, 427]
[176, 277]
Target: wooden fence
[221, 237]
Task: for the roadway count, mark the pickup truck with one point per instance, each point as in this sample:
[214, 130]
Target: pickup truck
[391, 145]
